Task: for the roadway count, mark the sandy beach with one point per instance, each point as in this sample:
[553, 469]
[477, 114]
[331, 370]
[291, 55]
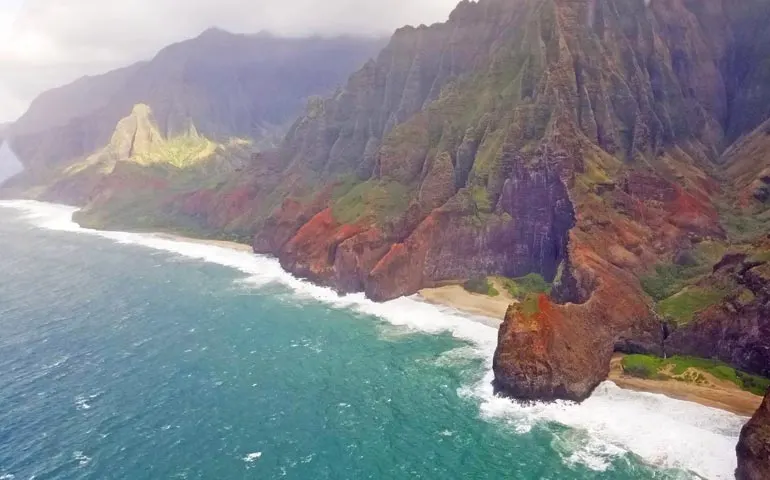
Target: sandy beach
[241, 247]
[716, 393]
[457, 297]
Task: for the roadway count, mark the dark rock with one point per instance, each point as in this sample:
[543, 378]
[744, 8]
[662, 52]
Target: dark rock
[753, 447]
[762, 194]
[685, 258]
[736, 332]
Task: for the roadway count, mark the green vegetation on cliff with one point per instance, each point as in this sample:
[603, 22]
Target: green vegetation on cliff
[481, 286]
[643, 366]
[670, 278]
[378, 200]
[682, 307]
[522, 287]
[182, 151]
[689, 369]
[530, 304]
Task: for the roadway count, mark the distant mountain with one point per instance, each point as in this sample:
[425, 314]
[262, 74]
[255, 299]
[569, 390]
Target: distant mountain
[126, 175]
[226, 85]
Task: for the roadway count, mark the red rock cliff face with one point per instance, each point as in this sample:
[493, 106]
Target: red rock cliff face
[576, 139]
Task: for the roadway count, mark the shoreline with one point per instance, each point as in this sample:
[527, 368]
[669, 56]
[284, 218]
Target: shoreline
[458, 298]
[487, 310]
[241, 247]
[636, 418]
[719, 394]
[490, 311]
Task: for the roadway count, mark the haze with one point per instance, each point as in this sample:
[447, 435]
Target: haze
[46, 43]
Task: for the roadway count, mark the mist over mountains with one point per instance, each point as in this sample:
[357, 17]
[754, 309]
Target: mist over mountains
[223, 84]
[9, 164]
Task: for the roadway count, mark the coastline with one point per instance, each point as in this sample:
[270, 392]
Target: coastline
[694, 438]
[491, 309]
[719, 395]
[457, 297]
[241, 247]
[637, 419]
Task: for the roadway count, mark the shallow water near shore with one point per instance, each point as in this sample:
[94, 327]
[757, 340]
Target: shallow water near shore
[132, 356]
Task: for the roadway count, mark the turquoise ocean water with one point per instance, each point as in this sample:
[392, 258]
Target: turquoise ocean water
[130, 356]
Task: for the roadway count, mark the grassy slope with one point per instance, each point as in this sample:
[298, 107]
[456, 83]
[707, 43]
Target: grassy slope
[689, 369]
[683, 291]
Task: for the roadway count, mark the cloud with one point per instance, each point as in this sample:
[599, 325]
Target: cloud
[45, 43]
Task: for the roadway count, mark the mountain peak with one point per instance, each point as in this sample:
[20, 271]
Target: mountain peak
[228, 85]
[141, 110]
[215, 32]
[136, 133]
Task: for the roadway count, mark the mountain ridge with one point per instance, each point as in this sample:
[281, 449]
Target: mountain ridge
[194, 80]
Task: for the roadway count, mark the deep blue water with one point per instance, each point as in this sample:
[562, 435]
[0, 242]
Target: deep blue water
[133, 357]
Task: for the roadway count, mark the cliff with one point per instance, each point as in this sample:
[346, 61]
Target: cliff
[583, 141]
[754, 446]
[735, 327]
[578, 140]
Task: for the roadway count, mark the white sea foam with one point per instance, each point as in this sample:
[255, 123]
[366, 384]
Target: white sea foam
[81, 458]
[664, 432]
[81, 403]
[252, 457]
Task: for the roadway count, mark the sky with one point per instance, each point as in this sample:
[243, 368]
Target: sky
[47, 43]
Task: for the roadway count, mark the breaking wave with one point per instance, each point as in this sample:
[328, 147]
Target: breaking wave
[614, 422]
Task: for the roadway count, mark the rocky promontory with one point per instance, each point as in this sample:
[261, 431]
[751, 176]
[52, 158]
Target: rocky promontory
[754, 446]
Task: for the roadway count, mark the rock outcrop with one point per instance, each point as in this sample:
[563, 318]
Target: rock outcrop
[737, 329]
[754, 446]
[227, 85]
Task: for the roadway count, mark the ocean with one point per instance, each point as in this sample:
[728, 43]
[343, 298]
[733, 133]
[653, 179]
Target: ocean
[131, 356]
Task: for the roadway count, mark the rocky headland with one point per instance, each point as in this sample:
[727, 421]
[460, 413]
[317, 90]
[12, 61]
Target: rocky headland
[754, 446]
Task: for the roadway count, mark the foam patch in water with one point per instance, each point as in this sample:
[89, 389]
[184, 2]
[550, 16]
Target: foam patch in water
[664, 432]
[252, 457]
